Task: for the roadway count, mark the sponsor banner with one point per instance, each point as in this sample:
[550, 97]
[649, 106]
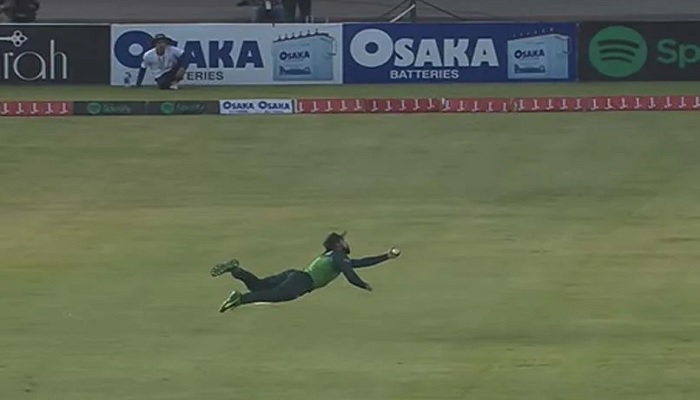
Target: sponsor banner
[182, 108]
[110, 108]
[57, 53]
[256, 106]
[146, 108]
[478, 52]
[236, 54]
[36, 108]
[643, 51]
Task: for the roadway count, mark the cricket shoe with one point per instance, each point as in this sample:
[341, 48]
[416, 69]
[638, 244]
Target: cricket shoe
[233, 300]
[228, 266]
[174, 86]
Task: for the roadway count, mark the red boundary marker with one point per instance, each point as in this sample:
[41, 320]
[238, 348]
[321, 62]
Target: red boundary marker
[499, 105]
[35, 108]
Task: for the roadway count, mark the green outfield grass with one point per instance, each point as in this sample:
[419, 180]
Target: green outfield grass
[545, 256]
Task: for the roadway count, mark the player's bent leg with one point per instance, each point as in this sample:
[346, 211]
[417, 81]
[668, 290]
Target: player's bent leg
[252, 282]
[163, 83]
[166, 81]
[255, 284]
[272, 281]
[276, 295]
[180, 74]
[295, 285]
[176, 76]
[228, 266]
[249, 279]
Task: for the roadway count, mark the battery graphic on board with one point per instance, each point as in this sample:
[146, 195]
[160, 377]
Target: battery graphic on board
[539, 57]
[304, 57]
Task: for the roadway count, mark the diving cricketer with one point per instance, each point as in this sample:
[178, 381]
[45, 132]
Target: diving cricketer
[166, 61]
[292, 283]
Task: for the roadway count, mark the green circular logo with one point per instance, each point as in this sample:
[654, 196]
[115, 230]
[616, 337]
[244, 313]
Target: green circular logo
[94, 108]
[167, 108]
[618, 51]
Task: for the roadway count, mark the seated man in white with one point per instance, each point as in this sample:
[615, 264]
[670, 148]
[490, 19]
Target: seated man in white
[166, 61]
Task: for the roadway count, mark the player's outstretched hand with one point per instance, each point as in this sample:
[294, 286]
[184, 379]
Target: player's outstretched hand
[394, 252]
[368, 287]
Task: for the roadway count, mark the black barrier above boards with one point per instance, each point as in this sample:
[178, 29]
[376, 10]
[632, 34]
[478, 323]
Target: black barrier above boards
[55, 54]
[187, 107]
[642, 51]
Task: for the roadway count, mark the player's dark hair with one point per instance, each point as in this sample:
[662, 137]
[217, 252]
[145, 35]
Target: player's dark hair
[332, 240]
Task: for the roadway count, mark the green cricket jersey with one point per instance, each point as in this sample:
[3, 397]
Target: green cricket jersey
[323, 270]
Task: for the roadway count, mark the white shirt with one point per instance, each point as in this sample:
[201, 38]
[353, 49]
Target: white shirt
[160, 65]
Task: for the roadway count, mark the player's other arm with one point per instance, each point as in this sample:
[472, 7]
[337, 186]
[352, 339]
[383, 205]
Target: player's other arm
[374, 260]
[345, 267]
[142, 71]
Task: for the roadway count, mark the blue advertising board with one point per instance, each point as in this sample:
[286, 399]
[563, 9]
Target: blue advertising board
[471, 52]
[235, 54]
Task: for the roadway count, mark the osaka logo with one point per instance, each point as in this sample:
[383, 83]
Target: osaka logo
[294, 55]
[520, 54]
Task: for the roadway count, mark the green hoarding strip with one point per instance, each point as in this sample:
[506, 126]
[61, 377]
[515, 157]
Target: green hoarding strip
[109, 108]
[183, 108]
[115, 108]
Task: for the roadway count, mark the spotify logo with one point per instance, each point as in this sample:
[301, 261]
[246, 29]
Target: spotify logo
[618, 51]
